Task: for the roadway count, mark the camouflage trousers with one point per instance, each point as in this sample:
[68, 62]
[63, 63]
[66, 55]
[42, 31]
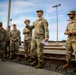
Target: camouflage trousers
[14, 47]
[37, 49]
[70, 48]
[7, 52]
[2, 49]
[27, 46]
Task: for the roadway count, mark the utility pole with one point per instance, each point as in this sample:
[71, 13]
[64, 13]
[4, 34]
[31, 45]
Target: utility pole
[10, 21]
[56, 6]
[9, 8]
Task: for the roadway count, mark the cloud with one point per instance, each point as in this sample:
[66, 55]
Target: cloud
[21, 3]
[20, 6]
[26, 9]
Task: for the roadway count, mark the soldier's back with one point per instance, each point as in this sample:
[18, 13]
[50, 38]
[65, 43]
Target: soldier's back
[2, 34]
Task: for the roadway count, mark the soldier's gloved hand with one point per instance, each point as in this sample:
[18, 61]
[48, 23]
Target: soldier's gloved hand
[46, 39]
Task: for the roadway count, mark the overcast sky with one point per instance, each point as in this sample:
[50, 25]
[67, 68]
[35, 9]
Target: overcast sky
[26, 9]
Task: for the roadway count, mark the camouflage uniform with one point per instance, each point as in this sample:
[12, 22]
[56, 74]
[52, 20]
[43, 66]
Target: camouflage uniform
[7, 43]
[2, 42]
[71, 40]
[27, 41]
[14, 45]
[40, 32]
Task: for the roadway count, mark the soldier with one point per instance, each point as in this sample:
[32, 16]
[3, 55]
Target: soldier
[71, 40]
[27, 39]
[7, 41]
[40, 32]
[2, 41]
[14, 41]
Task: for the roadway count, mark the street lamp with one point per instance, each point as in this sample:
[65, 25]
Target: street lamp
[9, 8]
[56, 6]
[10, 21]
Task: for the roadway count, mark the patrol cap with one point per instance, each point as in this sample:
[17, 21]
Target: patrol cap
[14, 24]
[8, 26]
[1, 24]
[26, 20]
[40, 11]
[72, 12]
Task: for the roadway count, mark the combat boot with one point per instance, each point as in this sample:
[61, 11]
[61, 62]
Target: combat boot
[25, 59]
[3, 59]
[34, 62]
[30, 60]
[39, 65]
[66, 65]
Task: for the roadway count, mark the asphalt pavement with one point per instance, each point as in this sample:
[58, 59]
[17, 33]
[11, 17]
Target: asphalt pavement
[11, 68]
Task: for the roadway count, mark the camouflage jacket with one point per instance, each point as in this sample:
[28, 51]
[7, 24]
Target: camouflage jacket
[71, 26]
[15, 34]
[27, 34]
[7, 35]
[40, 28]
[2, 35]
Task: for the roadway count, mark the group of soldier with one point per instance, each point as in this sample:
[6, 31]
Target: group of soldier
[33, 45]
[35, 48]
[9, 41]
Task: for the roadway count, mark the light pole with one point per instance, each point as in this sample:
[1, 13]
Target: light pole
[9, 8]
[10, 21]
[56, 6]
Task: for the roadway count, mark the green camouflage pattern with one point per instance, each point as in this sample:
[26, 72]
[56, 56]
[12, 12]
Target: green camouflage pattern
[71, 40]
[7, 35]
[7, 53]
[40, 32]
[37, 49]
[14, 45]
[27, 46]
[2, 41]
[2, 35]
[15, 34]
[27, 40]
[27, 34]
[2, 49]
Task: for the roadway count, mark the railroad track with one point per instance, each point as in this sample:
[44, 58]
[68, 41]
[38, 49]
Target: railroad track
[54, 58]
[53, 54]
